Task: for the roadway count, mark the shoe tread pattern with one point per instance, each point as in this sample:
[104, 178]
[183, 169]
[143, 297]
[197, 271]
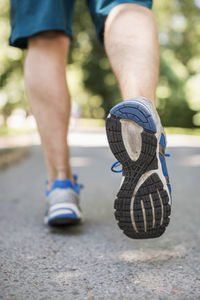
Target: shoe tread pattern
[150, 221]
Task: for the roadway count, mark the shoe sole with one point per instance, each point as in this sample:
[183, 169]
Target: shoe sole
[62, 221]
[142, 206]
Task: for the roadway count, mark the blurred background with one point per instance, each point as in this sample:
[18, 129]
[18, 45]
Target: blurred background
[93, 86]
[95, 261]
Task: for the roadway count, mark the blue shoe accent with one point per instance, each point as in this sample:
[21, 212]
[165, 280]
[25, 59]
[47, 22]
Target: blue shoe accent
[63, 216]
[170, 190]
[162, 140]
[163, 161]
[64, 184]
[163, 164]
[136, 111]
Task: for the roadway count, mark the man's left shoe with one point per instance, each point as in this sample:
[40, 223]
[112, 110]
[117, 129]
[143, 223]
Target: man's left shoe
[62, 203]
[137, 140]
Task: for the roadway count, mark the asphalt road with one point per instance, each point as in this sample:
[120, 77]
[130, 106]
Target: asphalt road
[95, 260]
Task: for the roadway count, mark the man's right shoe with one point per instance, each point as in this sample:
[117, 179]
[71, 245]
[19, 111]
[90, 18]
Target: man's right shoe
[137, 140]
[62, 203]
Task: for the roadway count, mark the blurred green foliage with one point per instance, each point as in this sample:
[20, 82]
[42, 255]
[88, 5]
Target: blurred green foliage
[91, 81]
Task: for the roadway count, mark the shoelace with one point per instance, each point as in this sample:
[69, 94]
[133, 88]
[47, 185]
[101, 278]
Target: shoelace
[79, 186]
[117, 164]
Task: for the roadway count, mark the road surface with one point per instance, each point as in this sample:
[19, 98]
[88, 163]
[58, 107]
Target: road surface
[95, 260]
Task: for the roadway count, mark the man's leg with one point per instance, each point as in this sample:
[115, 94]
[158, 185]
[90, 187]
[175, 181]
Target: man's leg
[49, 98]
[131, 43]
[135, 134]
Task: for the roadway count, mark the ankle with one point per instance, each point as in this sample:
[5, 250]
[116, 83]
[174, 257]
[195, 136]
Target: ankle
[61, 175]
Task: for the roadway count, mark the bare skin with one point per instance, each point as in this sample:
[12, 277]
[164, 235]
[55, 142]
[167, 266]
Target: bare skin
[131, 43]
[49, 98]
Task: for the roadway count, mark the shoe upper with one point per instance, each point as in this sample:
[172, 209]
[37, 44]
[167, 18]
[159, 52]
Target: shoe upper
[62, 200]
[163, 139]
[162, 155]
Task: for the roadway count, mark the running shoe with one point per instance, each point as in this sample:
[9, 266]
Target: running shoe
[138, 141]
[62, 203]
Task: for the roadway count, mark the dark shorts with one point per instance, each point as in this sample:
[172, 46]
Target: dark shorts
[29, 17]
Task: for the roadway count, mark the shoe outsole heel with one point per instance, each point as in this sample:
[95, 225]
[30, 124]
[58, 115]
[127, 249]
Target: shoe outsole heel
[147, 214]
